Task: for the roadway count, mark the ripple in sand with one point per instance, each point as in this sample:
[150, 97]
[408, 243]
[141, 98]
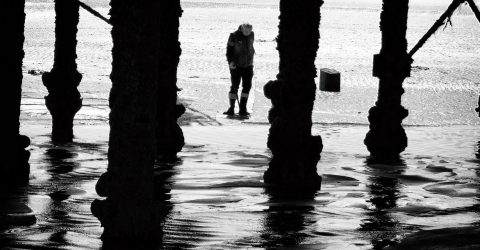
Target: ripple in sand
[438, 169]
[415, 179]
[454, 189]
[445, 238]
[61, 195]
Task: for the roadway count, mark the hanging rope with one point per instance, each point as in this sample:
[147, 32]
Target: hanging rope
[93, 12]
[441, 21]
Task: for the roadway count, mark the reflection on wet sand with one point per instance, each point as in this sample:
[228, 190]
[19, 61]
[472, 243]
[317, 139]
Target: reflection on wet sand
[287, 218]
[14, 213]
[213, 196]
[454, 237]
[380, 225]
[177, 233]
[59, 193]
[62, 213]
[477, 154]
[60, 160]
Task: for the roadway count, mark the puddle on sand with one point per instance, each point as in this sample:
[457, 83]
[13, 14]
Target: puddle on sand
[214, 196]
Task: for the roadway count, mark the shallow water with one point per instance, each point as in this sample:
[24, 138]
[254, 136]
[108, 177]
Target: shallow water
[215, 197]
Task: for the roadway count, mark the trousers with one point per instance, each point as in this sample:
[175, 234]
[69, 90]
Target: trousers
[243, 75]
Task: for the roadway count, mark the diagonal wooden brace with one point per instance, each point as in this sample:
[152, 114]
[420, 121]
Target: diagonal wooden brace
[448, 13]
[474, 9]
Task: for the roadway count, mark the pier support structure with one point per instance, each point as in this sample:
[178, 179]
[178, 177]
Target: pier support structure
[386, 138]
[14, 165]
[295, 151]
[130, 213]
[170, 138]
[63, 100]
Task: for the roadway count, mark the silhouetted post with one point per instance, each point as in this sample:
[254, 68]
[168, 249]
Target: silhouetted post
[170, 138]
[63, 100]
[14, 158]
[130, 213]
[295, 151]
[386, 138]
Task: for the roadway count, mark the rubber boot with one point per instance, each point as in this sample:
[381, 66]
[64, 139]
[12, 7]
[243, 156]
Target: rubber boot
[243, 105]
[231, 110]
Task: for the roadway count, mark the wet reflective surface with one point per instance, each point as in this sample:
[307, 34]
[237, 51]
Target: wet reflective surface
[59, 193]
[214, 196]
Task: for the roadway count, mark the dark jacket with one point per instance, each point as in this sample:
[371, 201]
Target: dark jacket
[240, 48]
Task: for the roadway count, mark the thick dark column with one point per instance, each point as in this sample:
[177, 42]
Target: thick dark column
[63, 100]
[386, 138]
[170, 138]
[14, 158]
[295, 151]
[130, 213]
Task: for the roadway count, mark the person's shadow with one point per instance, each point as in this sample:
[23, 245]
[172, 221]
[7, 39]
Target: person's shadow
[380, 226]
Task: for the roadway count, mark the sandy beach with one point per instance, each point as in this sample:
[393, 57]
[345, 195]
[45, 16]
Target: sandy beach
[214, 195]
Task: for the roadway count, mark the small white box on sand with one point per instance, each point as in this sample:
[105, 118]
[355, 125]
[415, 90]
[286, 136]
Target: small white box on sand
[329, 80]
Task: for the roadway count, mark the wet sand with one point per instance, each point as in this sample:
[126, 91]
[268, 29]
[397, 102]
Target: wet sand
[215, 196]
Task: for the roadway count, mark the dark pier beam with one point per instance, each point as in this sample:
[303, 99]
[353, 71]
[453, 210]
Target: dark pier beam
[295, 151]
[170, 138]
[14, 165]
[63, 100]
[130, 214]
[386, 138]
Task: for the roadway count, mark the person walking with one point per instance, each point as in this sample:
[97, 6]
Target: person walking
[240, 53]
